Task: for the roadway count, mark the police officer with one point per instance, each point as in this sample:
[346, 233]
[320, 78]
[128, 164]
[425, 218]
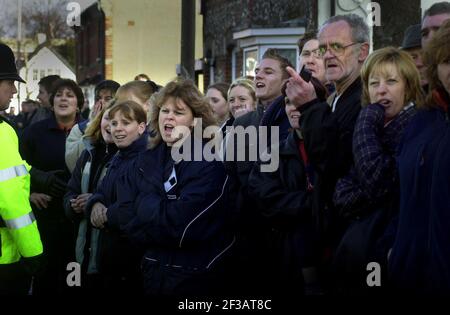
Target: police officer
[20, 244]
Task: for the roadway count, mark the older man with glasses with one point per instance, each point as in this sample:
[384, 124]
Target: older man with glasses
[327, 127]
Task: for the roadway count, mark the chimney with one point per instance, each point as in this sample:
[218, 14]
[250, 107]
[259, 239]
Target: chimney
[41, 38]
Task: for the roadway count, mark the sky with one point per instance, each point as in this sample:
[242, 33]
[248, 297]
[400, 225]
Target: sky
[9, 10]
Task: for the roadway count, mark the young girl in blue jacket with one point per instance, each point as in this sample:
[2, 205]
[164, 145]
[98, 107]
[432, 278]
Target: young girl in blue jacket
[118, 261]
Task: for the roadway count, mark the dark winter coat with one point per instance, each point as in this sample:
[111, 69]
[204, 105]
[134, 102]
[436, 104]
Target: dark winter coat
[43, 147]
[367, 198]
[239, 171]
[88, 173]
[372, 181]
[116, 255]
[328, 142]
[286, 204]
[420, 259]
[179, 213]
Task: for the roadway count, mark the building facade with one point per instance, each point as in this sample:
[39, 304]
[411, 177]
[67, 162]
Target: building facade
[119, 39]
[43, 62]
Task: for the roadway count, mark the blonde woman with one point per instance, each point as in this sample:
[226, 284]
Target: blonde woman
[367, 198]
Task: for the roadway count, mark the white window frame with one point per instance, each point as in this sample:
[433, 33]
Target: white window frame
[233, 63]
[265, 38]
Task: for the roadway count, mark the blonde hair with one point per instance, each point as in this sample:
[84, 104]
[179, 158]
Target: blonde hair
[93, 130]
[379, 59]
[186, 91]
[246, 83]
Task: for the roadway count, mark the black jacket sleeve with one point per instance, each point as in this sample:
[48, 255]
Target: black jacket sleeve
[319, 131]
[276, 202]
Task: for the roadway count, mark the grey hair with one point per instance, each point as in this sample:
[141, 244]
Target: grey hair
[360, 29]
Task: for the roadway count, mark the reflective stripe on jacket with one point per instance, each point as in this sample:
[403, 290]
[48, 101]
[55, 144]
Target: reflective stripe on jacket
[18, 228]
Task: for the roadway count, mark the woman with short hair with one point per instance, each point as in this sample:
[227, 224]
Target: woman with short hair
[367, 198]
[43, 146]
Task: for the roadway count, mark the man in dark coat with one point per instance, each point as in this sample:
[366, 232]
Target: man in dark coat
[327, 127]
[270, 76]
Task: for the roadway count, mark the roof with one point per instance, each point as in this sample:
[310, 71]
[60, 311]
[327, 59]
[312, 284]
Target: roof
[61, 58]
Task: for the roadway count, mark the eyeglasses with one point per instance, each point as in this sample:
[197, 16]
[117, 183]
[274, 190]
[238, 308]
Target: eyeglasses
[335, 48]
[308, 53]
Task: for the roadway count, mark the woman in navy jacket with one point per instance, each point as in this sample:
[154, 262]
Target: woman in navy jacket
[118, 262]
[175, 208]
[420, 258]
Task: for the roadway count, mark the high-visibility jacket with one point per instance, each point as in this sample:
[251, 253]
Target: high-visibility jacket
[18, 229]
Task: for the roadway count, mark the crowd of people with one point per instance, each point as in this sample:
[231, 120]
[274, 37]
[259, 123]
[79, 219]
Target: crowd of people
[363, 176]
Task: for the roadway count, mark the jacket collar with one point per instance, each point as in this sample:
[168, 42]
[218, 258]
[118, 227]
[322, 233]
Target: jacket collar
[137, 146]
[53, 124]
[356, 85]
[442, 99]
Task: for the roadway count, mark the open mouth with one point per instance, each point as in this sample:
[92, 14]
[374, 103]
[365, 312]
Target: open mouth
[168, 128]
[331, 66]
[384, 102]
[260, 85]
[119, 137]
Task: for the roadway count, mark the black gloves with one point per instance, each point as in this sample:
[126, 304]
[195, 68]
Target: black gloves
[52, 183]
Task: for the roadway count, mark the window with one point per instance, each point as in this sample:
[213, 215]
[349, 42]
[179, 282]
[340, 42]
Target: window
[41, 74]
[254, 42]
[49, 71]
[35, 74]
[250, 60]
